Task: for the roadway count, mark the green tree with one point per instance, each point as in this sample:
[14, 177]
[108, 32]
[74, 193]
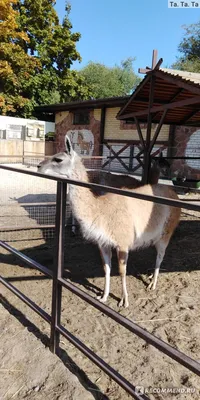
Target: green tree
[107, 82]
[16, 67]
[36, 54]
[55, 46]
[189, 48]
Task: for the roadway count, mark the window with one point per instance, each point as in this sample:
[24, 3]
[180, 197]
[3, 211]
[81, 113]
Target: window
[14, 131]
[2, 133]
[81, 118]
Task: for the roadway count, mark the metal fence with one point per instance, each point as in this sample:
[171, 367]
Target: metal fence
[54, 319]
[28, 205]
[125, 158]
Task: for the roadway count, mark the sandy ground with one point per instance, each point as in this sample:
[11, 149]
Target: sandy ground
[171, 312]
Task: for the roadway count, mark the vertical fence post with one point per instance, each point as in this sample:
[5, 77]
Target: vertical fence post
[23, 145]
[58, 265]
[131, 157]
[109, 165]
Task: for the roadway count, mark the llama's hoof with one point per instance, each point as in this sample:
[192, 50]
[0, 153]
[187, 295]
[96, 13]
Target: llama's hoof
[151, 286]
[123, 303]
[102, 299]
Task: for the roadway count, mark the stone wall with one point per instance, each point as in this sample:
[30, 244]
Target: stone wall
[89, 134]
[186, 144]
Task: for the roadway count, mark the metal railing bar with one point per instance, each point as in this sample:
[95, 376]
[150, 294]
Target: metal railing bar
[101, 364]
[42, 204]
[26, 300]
[35, 155]
[155, 158]
[45, 155]
[27, 260]
[154, 199]
[178, 356]
[24, 227]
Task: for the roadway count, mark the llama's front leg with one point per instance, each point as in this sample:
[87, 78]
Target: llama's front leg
[106, 255]
[122, 260]
[160, 247]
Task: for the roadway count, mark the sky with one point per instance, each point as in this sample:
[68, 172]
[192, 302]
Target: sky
[113, 30]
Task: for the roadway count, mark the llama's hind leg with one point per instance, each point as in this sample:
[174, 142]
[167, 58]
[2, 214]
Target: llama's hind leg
[122, 260]
[161, 248]
[106, 255]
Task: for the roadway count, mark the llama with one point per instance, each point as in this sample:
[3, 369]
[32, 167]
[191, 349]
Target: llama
[113, 221]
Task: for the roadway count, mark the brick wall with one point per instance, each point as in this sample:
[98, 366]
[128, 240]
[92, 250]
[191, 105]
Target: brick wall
[64, 124]
[186, 144]
[115, 129]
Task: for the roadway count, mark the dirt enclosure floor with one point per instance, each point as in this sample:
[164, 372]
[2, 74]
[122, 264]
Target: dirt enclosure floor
[28, 370]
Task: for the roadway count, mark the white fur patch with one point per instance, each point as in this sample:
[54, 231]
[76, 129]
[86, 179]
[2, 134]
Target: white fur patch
[92, 232]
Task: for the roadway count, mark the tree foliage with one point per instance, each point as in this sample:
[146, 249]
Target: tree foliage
[189, 49]
[16, 67]
[37, 53]
[107, 82]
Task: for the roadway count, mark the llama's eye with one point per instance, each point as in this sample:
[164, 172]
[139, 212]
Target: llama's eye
[57, 160]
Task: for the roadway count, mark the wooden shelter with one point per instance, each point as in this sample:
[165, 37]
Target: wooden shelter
[164, 96]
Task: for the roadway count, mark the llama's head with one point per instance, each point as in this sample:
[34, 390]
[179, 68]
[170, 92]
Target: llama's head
[60, 163]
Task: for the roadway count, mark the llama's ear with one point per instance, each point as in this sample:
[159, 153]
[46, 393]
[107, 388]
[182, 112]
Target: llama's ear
[68, 145]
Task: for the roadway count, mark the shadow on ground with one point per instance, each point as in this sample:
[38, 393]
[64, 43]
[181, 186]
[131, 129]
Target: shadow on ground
[68, 362]
[82, 259]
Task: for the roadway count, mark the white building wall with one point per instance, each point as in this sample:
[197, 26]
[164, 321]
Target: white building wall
[9, 127]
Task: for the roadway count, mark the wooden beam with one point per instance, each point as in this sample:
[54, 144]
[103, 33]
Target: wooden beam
[102, 126]
[145, 100]
[157, 130]
[175, 104]
[144, 70]
[158, 151]
[170, 149]
[127, 141]
[176, 80]
[136, 167]
[116, 154]
[149, 119]
[139, 132]
[157, 66]
[154, 58]
[193, 123]
[139, 161]
[140, 86]
[179, 91]
[189, 116]
[147, 161]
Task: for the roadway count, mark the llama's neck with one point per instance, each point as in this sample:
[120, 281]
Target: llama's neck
[82, 199]
[78, 171]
